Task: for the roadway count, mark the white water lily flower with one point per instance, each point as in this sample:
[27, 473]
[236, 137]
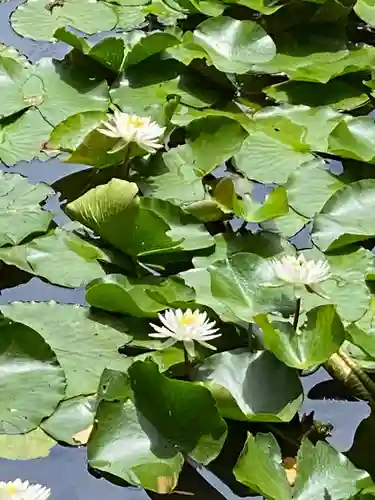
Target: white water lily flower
[299, 271]
[23, 490]
[187, 327]
[133, 128]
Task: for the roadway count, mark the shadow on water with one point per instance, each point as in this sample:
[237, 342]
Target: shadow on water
[64, 470]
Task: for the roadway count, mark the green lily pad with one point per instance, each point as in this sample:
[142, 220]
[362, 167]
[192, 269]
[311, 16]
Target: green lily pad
[174, 408]
[61, 257]
[251, 386]
[71, 417]
[34, 444]
[141, 298]
[347, 216]
[21, 214]
[33, 382]
[125, 444]
[104, 209]
[233, 46]
[34, 20]
[85, 342]
[314, 342]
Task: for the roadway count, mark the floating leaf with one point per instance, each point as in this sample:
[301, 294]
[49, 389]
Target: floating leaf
[251, 386]
[175, 407]
[33, 382]
[72, 421]
[312, 344]
[176, 170]
[61, 257]
[352, 138]
[117, 293]
[21, 214]
[321, 468]
[57, 81]
[341, 95]
[314, 56]
[260, 461]
[365, 10]
[264, 158]
[14, 71]
[34, 20]
[310, 186]
[236, 283]
[105, 208]
[149, 45]
[205, 137]
[23, 138]
[85, 342]
[125, 444]
[69, 134]
[34, 444]
[346, 217]
[233, 45]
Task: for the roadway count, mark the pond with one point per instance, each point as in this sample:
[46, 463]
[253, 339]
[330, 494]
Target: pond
[65, 469]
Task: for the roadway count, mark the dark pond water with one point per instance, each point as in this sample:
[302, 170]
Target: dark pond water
[65, 471]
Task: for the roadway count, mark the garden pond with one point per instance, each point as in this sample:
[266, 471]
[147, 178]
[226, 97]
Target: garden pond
[160, 156]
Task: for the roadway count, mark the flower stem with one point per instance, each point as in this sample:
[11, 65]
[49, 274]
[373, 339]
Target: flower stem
[125, 165]
[188, 365]
[296, 314]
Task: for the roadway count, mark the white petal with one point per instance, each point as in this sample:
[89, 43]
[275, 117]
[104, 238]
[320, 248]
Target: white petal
[209, 346]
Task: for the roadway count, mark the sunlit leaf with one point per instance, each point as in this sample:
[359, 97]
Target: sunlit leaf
[251, 386]
[34, 444]
[313, 343]
[233, 45]
[21, 214]
[61, 257]
[125, 444]
[34, 20]
[85, 342]
[33, 381]
[260, 461]
[116, 293]
[347, 216]
[174, 408]
[104, 208]
[71, 417]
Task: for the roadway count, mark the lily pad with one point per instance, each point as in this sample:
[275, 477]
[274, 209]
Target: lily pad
[346, 217]
[140, 298]
[33, 382]
[104, 209]
[85, 342]
[61, 257]
[261, 388]
[21, 214]
[175, 407]
[233, 45]
[34, 20]
[125, 444]
[71, 416]
[34, 444]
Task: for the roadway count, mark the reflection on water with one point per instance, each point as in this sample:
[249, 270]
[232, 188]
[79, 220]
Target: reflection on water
[64, 471]
[345, 416]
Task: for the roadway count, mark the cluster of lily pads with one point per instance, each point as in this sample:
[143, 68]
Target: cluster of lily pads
[222, 225]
